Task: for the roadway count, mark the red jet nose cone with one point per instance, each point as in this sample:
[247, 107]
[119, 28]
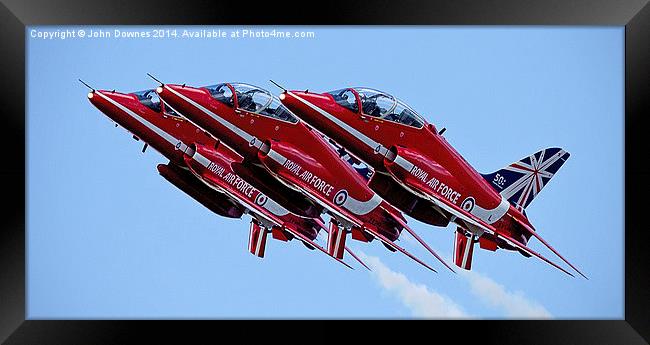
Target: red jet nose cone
[164, 90]
[93, 97]
[288, 97]
[98, 98]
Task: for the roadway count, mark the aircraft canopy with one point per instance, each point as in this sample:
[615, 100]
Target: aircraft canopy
[151, 100]
[378, 104]
[259, 101]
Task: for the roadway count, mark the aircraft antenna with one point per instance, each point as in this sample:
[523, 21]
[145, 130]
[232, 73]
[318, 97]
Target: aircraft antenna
[154, 78]
[88, 86]
[278, 85]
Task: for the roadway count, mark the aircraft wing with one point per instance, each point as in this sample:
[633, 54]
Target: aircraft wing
[357, 258]
[534, 233]
[253, 207]
[417, 238]
[262, 211]
[523, 247]
[326, 204]
[396, 247]
[473, 220]
[322, 226]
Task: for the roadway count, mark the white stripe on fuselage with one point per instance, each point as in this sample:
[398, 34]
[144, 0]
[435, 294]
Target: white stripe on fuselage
[356, 206]
[403, 163]
[487, 215]
[270, 204]
[491, 216]
[362, 207]
[379, 148]
[353, 205]
[238, 131]
[169, 138]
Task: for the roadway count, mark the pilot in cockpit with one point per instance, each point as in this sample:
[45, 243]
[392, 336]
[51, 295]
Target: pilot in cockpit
[349, 98]
[150, 99]
[246, 102]
[370, 106]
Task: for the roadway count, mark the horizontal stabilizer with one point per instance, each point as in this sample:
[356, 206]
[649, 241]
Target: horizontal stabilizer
[473, 221]
[521, 246]
[536, 235]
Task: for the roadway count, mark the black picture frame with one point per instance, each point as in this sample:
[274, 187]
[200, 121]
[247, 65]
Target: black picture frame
[16, 15]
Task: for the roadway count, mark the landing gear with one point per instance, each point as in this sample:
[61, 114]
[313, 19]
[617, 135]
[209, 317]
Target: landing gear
[336, 240]
[257, 239]
[464, 248]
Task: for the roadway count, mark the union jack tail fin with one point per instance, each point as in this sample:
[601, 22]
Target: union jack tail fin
[521, 181]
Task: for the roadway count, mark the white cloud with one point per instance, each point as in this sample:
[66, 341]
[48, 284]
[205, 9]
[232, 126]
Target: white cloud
[513, 304]
[422, 301]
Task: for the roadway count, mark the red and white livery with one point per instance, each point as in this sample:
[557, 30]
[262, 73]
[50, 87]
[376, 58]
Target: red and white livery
[210, 172]
[278, 146]
[419, 172]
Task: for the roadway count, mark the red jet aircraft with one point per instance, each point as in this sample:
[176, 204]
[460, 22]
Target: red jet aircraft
[419, 172]
[278, 146]
[204, 169]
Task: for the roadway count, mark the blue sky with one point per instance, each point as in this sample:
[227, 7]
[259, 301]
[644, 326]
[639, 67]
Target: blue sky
[108, 237]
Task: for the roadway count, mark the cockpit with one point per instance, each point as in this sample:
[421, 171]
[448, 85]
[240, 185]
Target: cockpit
[346, 98]
[222, 93]
[377, 104]
[251, 99]
[151, 100]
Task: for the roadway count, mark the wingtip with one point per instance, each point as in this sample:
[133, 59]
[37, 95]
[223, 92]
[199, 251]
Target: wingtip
[345, 263]
[536, 235]
[578, 271]
[357, 258]
[364, 265]
[427, 247]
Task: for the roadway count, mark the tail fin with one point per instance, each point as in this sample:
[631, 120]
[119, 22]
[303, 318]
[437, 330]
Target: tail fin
[521, 181]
